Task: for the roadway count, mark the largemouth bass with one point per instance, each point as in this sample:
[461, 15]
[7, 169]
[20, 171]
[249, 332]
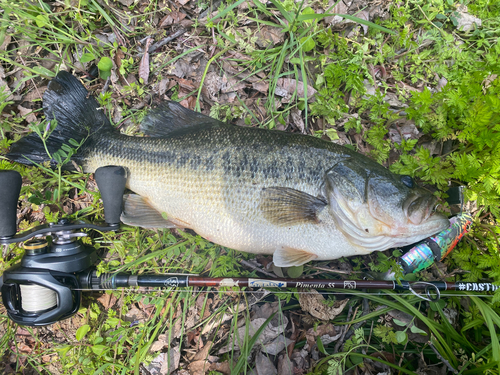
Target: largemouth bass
[297, 197]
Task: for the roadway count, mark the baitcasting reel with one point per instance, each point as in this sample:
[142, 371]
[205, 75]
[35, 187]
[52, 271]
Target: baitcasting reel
[40, 290]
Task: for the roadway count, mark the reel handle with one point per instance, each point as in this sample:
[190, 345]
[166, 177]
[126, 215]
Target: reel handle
[10, 187]
[111, 182]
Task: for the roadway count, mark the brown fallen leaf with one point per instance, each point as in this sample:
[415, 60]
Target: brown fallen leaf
[35, 94]
[269, 36]
[222, 367]
[286, 87]
[285, 365]
[173, 17]
[313, 303]
[107, 300]
[186, 84]
[30, 116]
[144, 65]
[261, 86]
[203, 353]
[199, 367]
[24, 348]
[263, 365]
[119, 55]
[327, 333]
[188, 102]
[160, 343]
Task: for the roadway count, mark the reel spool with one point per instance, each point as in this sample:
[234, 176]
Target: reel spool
[36, 298]
[43, 288]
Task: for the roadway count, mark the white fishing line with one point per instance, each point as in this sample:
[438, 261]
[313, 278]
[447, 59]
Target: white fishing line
[36, 298]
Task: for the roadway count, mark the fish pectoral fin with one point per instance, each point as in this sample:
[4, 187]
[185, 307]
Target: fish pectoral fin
[288, 257]
[138, 212]
[285, 206]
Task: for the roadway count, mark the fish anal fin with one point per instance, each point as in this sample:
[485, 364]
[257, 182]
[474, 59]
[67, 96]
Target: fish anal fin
[171, 119]
[289, 257]
[285, 206]
[138, 212]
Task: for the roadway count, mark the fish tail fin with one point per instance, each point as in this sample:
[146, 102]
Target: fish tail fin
[78, 117]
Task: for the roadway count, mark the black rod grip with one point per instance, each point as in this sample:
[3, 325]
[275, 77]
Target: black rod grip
[111, 182]
[10, 187]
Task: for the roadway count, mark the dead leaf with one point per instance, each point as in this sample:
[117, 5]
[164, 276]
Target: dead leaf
[30, 116]
[261, 86]
[297, 120]
[300, 360]
[213, 84]
[231, 84]
[6, 42]
[165, 363]
[173, 17]
[24, 348]
[4, 88]
[144, 65]
[364, 15]
[313, 303]
[327, 332]
[189, 102]
[203, 353]
[275, 327]
[265, 310]
[286, 87]
[285, 366]
[162, 87]
[466, 21]
[186, 84]
[269, 36]
[160, 343]
[488, 81]
[119, 55]
[277, 345]
[34, 94]
[199, 367]
[341, 7]
[107, 300]
[222, 367]
[264, 366]
[442, 82]
[134, 314]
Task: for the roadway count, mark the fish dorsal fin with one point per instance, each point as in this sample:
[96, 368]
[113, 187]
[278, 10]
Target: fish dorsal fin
[171, 118]
[285, 206]
[288, 257]
[138, 212]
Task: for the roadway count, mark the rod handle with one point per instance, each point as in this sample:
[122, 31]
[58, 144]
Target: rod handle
[10, 187]
[111, 182]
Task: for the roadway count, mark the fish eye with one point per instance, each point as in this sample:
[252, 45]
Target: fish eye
[408, 181]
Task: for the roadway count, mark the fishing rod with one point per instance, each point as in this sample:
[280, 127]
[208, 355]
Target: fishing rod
[46, 285]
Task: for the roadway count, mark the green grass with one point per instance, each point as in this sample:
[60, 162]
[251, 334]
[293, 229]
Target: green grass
[416, 46]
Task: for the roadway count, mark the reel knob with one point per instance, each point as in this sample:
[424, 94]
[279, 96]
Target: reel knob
[111, 182]
[10, 187]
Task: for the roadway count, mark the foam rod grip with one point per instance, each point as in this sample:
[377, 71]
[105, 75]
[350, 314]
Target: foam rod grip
[111, 182]
[10, 187]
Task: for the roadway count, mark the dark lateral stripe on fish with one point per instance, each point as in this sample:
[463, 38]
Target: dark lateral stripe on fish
[189, 152]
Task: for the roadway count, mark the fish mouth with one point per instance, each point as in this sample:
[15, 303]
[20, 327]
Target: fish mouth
[421, 208]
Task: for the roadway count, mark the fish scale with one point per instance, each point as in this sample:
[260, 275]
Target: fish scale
[298, 197]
